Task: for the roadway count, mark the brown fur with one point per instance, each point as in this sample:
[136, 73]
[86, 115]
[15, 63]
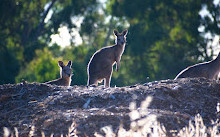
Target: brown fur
[101, 63]
[209, 70]
[65, 75]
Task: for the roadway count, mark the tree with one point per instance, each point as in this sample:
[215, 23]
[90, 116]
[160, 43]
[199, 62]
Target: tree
[24, 29]
[164, 36]
[42, 68]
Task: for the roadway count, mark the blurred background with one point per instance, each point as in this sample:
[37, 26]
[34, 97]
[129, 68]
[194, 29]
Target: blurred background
[164, 37]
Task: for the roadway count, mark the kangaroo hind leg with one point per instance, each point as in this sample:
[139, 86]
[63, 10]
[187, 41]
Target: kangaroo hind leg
[107, 81]
[92, 81]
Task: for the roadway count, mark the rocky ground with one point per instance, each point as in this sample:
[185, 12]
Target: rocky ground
[37, 109]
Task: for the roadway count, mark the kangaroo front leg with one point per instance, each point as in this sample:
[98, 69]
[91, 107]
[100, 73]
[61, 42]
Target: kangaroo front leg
[117, 64]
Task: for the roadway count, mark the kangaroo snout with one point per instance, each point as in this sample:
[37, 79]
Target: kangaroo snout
[121, 41]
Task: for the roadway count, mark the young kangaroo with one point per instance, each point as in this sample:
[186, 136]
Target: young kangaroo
[101, 63]
[209, 70]
[65, 75]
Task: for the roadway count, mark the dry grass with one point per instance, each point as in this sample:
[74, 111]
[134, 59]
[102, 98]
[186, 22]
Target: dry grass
[71, 132]
[146, 125]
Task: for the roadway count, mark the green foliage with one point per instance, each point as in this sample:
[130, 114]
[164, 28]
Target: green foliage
[41, 69]
[9, 67]
[24, 29]
[19, 21]
[163, 37]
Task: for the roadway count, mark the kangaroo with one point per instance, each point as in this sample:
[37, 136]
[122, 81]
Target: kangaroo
[101, 63]
[209, 70]
[65, 75]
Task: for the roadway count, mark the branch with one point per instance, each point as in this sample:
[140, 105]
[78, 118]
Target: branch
[109, 32]
[41, 25]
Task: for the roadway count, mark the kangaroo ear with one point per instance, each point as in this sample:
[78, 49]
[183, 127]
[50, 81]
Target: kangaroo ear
[125, 32]
[115, 32]
[60, 63]
[69, 63]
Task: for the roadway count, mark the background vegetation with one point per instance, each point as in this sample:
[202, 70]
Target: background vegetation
[164, 37]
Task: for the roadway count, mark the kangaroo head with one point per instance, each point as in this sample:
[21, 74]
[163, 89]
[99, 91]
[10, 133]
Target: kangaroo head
[120, 37]
[65, 71]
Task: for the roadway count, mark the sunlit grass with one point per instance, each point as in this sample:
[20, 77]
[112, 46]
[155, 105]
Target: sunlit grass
[144, 124]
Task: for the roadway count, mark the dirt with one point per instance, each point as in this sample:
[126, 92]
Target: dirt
[53, 109]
